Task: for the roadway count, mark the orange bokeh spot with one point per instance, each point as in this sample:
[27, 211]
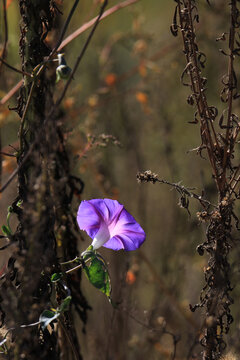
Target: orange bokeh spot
[141, 97]
[69, 102]
[130, 277]
[111, 79]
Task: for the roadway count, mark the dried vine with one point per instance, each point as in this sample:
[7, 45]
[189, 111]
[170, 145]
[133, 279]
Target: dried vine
[220, 147]
[46, 225]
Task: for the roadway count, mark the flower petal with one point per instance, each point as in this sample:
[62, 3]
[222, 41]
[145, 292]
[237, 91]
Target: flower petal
[126, 224]
[100, 208]
[125, 242]
[114, 209]
[88, 218]
[115, 243]
[125, 233]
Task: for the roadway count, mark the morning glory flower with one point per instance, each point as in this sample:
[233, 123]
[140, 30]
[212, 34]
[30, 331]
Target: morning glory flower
[110, 225]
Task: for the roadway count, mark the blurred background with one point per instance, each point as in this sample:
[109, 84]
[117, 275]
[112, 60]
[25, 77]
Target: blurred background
[125, 112]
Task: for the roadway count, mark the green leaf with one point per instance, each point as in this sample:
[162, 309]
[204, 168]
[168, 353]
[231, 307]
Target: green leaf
[46, 317]
[56, 277]
[6, 231]
[97, 274]
[65, 304]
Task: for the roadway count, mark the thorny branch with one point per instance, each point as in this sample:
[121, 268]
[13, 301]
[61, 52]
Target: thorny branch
[185, 193]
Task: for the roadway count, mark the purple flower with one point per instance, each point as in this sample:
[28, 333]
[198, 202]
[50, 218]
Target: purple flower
[110, 225]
